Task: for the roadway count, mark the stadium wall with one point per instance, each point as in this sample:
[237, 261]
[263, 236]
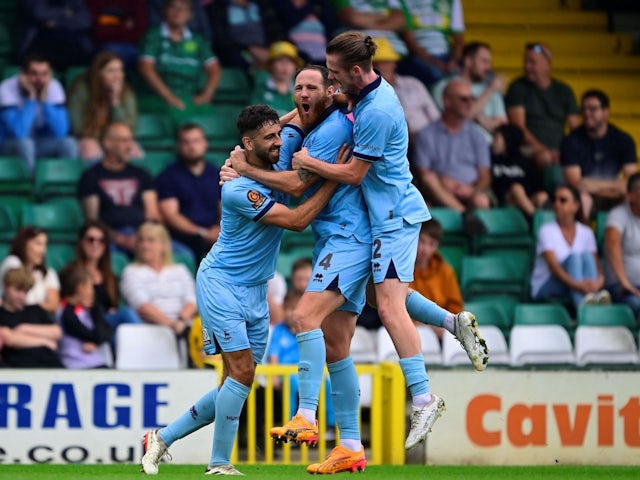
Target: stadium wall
[499, 417]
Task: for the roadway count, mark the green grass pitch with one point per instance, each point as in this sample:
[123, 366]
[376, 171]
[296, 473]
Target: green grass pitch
[288, 472]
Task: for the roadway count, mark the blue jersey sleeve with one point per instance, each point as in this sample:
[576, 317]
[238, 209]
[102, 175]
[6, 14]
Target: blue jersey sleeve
[371, 134]
[250, 201]
[292, 138]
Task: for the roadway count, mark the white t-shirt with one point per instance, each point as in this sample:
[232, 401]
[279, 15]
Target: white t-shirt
[43, 283]
[550, 238]
[622, 219]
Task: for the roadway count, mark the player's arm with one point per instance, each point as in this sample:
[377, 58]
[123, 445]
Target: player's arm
[351, 172]
[299, 218]
[291, 182]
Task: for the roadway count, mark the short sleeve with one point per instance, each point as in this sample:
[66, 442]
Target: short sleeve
[292, 138]
[51, 280]
[568, 151]
[148, 47]
[132, 286]
[423, 153]
[371, 133]
[165, 187]
[617, 219]
[546, 238]
[249, 200]
[88, 184]
[516, 95]
[627, 149]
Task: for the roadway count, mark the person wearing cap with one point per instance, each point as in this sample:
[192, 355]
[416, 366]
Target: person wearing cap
[541, 105]
[274, 85]
[419, 108]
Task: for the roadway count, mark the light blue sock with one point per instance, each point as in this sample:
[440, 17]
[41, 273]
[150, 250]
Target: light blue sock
[310, 367]
[345, 394]
[415, 374]
[201, 413]
[229, 403]
[424, 310]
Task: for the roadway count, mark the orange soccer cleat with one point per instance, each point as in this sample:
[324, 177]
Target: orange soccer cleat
[340, 460]
[298, 429]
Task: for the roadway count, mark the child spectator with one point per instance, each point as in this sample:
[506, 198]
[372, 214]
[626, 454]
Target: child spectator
[85, 330]
[29, 250]
[30, 337]
[433, 277]
[98, 97]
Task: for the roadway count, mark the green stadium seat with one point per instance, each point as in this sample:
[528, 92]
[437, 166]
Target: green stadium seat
[292, 240]
[8, 223]
[607, 315]
[185, 259]
[118, 261]
[234, 87]
[61, 218]
[451, 222]
[494, 275]
[552, 177]
[154, 161]
[601, 226]
[60, 254]
[507, 228]
[540, 217]
[286, 259]
[15, 178]
[4, 249]
[453, 255]
[55, 177]
[154, 132]
[72, 73]
[220, 127]
[489, 312]
[542, 314]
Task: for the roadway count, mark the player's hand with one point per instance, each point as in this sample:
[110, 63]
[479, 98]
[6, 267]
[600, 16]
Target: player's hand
[239, 160]
[344, 155]
[227, 173]
[301, 159]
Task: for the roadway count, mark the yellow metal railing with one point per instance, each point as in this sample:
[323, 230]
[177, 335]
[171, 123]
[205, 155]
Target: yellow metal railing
[386, 425]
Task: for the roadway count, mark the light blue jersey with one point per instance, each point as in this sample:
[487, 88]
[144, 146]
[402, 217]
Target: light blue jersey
[247, 249]
[381, 138]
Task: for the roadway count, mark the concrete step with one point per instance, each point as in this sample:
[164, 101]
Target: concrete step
[518, 19]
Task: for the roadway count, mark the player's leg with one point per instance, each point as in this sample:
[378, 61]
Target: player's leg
[393, 259]
[463, 325]
[349, 454]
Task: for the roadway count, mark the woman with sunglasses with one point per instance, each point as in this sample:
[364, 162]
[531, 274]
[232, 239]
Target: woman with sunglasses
[93, 254]
[29, 250]
[567, 262]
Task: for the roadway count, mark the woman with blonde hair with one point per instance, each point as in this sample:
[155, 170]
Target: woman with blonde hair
[161, 291]
[99, 97]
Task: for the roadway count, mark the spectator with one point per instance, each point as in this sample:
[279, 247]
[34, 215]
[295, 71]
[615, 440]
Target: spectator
[378, 19]
[622, 249]
[93, 255]
[274, 86]
[118, 26]
[435, 39]
[243, 31]
[597, 157]
[283, 350]
[488, 105]
[172, 59]
[117, 193]
[199, 21]
[276, 291]
[308, 24]
[514, 177]
[29, 335]
[99, 97]
[567, 263]
[301, 271]
[29, 250]
[85, 331]
[161, 291]
[58, 29]
[453, 161]
[189, 194]
[34, 120]
[419, 108]
[541, 105]
[433, 277]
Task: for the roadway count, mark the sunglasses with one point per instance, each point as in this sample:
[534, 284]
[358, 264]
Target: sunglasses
[91, 239]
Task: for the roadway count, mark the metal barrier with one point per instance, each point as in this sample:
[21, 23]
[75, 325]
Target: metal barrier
[386, 426]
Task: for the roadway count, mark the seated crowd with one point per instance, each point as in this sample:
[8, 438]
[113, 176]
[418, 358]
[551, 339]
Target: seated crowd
[475, 143]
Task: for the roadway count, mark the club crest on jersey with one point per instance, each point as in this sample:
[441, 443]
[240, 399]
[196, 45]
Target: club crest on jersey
[256, 198]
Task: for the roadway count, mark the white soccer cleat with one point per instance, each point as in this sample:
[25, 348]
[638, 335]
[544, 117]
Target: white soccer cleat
[467, 333]
[154, 449]
[422, 419]
[222, 470]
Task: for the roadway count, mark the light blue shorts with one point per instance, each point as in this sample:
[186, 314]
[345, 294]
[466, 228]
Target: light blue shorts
[342, 264]
[394, 253]
[234, 317]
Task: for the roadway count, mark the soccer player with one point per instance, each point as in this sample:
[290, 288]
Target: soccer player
[335, 296]
[396, 210]
[231, 289]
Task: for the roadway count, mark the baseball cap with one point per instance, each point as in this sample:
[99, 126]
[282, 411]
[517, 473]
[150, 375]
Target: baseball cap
[385, 51]
[284, 49]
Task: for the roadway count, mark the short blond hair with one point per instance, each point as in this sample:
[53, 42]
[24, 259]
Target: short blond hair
[19, 278]
[159, 232]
